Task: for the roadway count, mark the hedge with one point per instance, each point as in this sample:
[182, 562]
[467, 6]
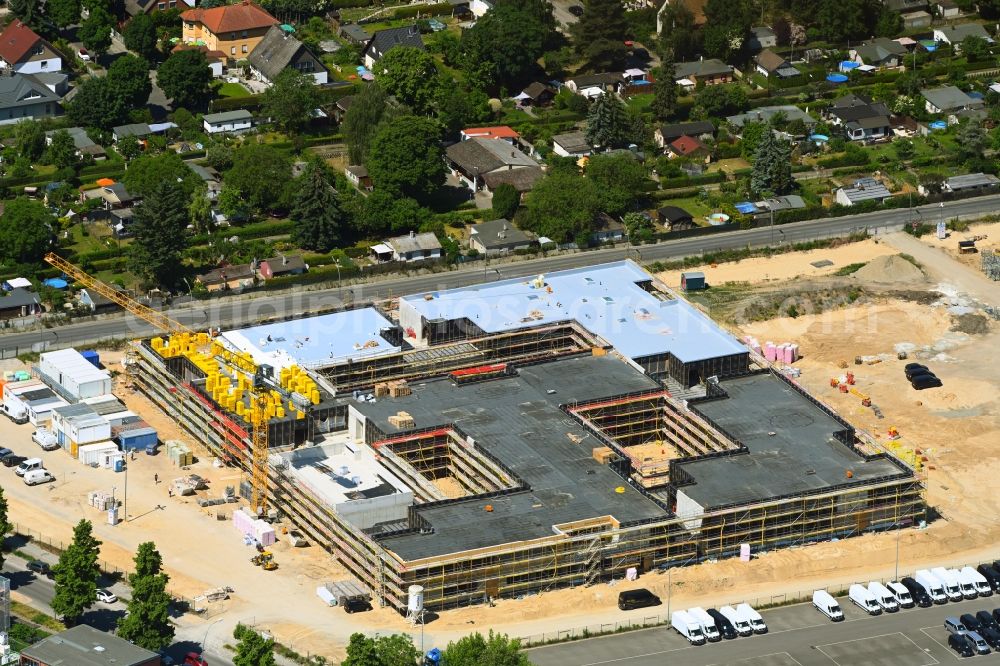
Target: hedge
[688, 181]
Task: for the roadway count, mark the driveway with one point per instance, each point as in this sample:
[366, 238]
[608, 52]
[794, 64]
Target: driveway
[943, 267]
[560, 9]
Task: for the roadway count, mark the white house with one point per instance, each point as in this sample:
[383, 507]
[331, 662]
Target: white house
[239, 120]
[22, 51]
[413, 247]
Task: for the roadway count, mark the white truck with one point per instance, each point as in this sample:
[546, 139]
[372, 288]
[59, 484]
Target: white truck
[932, 586]
[902, 595]
[863, 599]
[952, 589]
[740, 624]
[688, 627]
[707, 623]
[827, 605]
[978, 581]
[747, 612]
[884, 596]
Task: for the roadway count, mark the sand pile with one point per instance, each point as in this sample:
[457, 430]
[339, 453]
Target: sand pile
[892, 268]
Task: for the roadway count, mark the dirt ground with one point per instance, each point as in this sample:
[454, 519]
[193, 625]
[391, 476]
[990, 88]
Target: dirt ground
[950, 244]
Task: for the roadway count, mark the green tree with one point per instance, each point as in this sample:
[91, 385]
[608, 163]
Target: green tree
[252, 649]
[752, 134]
[727, 23]
[25, 231]
[200, 214]
[409, 74]
[362, 119]
[290, 101]
[678, 34]
[840, 20]
[476, 650]
[381, 213]
[406, 157]
[140, 36]
[621, 181]
[233, 204]
[62, 150]
[600, 32]
[639, 227]
[97, 103]
[5, 526]
[504, 46]
[392, 650]
[29, 135]
[457, 108]
[971, 139]
[975, 49]
[316, 212]
[219, 156]
[147, 623]
[76, 574]
[989, 9]
[665, 90]
[185, 78]
[888, 23]
[26, 10]
[721, 100]
[562, 206]
[772, 167]
[145, 174]
[62, 13]
[129, 76]
[260, 172]
[160, 237]
[506, 200]
[129, 148]
[607, 122]
[95, 31]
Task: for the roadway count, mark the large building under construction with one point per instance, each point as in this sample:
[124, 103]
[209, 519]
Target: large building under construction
[521, 435]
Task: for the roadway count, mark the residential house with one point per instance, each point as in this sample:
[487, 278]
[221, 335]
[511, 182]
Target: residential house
[57, 82]
[16, 283]
[138, 130]
[357, 175]
[949, 99]
[771, 64]
[22, 51]
[860, 118]
[522, 180]
[571, 144]
[136, 7]
[414, 247]
[501, 132]
[19, 302]
[228, 278]
[865, 189]
[94, 302]
[675, 218]
[954, 34]
[786, 202]
[281, 266]
[239, 120]
[113, 195]
[471, 160]
[22, 96]
[690, 147]
[537, 94]
[120, 221]
[709, 72]
[761, 37]
[699, 129]
[279, 51]
[383, 40]
[764, 114]
[85, 146]
[355, 34]
[210, 177]
[947, 9]
[498, 237]
[970, 183]
[235, 30]
[83, 645]
[606, 229]
[341, 106]
[879, 53]
[594, 85]
[916, 20]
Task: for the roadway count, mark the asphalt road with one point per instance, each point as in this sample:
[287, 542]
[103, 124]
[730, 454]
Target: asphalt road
[798, 636]
[242, 311]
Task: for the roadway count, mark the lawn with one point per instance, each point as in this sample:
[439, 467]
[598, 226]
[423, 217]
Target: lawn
[698, 208]
[232, 90]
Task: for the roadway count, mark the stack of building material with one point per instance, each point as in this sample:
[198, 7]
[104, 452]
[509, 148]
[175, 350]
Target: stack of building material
[100, 500]
[402, 420]
[243, 521]
[602, 454]
[381, 389]
[400, 388]
[179, 453]
[184, 486]
[260, 530]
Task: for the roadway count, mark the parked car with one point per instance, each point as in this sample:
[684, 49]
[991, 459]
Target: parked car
[996, 615]
[576, 10]
[827, 605]
[917, 591]
[921, 382]
[639, 598]
[12, 460]
[991, 575]
[985, 619]
[45, 439]
[970, 622]
[913, 369]
[723, 624]
[953, 625]
[37, 476]
[961, 645]
[106, 596]
[4, 452]
[980, 645]
[28, 465]
[84, 55]
[992, 636]
[194, 659]
[39, 567]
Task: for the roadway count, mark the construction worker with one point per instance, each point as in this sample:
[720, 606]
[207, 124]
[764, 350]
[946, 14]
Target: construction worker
[156, 479]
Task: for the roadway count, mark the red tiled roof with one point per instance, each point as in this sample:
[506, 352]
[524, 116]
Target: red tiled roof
[231, 18]
[686, 145]
[499, 132]
[17, 41]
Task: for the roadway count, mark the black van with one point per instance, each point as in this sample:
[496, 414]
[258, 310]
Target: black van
[640, 598]
[961, 644]
[921, 382]
[722, 623]
[991, 575]
[917, 592]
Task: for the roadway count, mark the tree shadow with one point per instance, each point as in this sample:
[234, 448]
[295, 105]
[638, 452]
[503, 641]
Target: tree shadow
[105, 619]
[180, 649]
[448, 198]
[19, 578]
[15, 541]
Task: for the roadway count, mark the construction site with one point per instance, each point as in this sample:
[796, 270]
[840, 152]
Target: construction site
[522, 435]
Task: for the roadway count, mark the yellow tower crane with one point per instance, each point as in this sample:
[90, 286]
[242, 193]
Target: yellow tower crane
[257, 390]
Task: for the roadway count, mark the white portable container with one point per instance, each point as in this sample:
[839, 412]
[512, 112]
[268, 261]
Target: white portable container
[884, 596]
[747, 612]
[706, 622]
[978, 581]
[688, 627]
[902, 595]
[932, 585]
[863, 599]
[827, 605]
[949, 581]
[740, 624]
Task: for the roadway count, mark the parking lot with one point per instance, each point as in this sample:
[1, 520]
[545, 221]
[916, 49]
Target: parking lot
[798, 635]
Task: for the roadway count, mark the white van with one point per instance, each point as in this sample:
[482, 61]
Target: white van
[827, 605]
[28, 465]
[740, 624]
[950, 582]
[932, 586]
[747, 612]
[688, 627]
[978, 581]
[901, 594]
[884, 596]
[863, 599]
[706, 622]
[36, 476]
